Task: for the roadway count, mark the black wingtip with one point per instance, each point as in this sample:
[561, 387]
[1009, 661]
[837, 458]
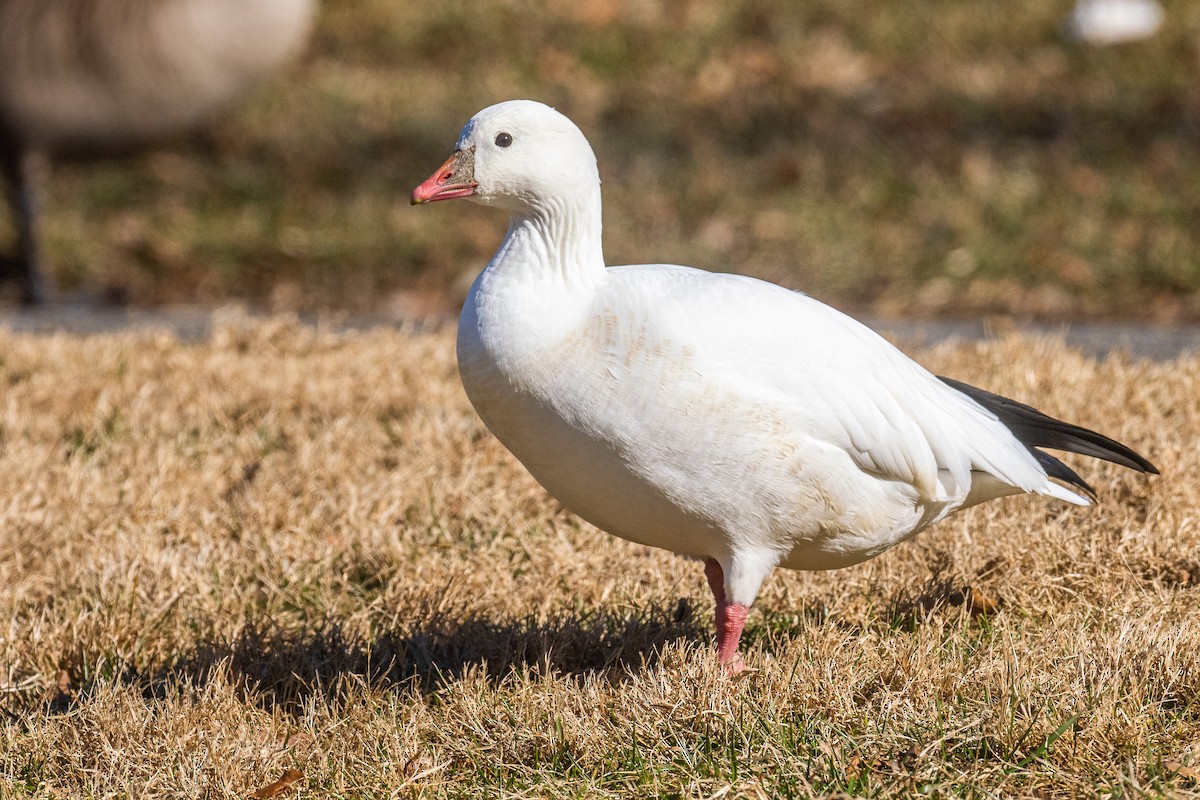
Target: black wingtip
[1035, 429]
[1057, 469]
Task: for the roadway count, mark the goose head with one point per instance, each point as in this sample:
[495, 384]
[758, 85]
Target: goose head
[519, 155]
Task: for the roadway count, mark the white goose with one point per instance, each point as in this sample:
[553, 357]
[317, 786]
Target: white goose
[715, 415]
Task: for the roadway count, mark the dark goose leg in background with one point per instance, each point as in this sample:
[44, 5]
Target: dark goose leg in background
[20, 271]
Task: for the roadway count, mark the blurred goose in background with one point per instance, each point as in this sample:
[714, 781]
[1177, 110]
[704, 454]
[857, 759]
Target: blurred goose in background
[715, 415]
[1103, 22]
[82, 75]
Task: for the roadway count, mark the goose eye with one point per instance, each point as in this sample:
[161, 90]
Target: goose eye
[503, 139]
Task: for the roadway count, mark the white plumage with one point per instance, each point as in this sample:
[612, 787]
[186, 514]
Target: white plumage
[714, 415]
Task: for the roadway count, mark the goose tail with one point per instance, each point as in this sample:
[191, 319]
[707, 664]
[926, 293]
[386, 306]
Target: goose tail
[1035, 429]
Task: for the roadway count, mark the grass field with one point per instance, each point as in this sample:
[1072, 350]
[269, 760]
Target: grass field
[285, 549]
[912, 158]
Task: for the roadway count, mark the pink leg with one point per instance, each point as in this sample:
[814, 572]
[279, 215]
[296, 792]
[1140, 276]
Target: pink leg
[731, 617]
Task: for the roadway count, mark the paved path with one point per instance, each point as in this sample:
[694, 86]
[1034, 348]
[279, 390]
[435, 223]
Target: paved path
[193, 323]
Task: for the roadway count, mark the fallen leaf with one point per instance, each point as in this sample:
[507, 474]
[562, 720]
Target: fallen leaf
[1181, 770]
[289, 777]
[978, 602]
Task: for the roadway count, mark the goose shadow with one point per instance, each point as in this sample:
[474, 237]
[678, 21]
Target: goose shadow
[282, 667]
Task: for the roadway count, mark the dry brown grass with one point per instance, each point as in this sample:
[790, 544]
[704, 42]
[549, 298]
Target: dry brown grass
[290, 549]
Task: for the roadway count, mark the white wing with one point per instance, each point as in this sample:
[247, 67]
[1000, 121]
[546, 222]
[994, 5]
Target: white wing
[839, 380]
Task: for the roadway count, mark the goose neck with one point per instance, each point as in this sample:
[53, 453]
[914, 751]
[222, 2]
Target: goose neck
[559, 239]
